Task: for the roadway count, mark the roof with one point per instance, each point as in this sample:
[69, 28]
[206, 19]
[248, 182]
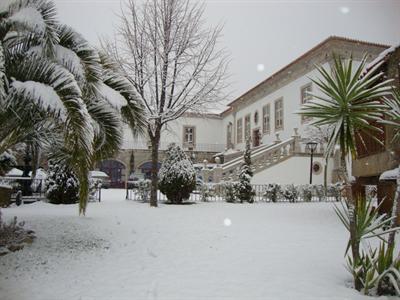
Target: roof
[15, 172]
[302, 57]
[390, 174]
[382, 57]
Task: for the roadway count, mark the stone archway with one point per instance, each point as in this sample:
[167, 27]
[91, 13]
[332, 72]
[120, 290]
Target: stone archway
[116, 170]
[146, 167]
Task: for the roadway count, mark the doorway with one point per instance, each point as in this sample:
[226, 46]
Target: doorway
[256, 137]
[116, 171]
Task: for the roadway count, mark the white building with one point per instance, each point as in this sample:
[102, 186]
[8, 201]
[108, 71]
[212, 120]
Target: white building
[267, 114]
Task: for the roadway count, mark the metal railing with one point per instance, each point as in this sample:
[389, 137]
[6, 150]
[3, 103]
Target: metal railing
[219, 193]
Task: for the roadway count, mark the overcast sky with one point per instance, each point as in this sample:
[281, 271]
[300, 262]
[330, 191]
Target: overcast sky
[261, 35]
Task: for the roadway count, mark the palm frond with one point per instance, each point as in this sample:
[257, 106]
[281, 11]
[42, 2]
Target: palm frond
[133, 112]
[33, 17]
[350, 103]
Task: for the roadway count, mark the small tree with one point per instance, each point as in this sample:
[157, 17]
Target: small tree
[177, 175]
[245, 190]
[62, 185]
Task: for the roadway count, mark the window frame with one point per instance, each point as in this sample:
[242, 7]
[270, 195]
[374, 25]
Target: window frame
[247, 133]
[281, 112]
[239, 131]
[266, 124]
[304, 100]
[187, 143]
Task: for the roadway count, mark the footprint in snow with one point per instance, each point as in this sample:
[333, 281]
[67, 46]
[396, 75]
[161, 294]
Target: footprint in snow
[151, 253]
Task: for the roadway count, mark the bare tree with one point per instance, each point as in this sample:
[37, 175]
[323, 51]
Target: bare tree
[173, 62]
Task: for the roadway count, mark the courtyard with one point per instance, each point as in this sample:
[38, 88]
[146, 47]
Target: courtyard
[127, 250]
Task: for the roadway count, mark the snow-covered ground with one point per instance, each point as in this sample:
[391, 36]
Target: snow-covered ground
[126, 250]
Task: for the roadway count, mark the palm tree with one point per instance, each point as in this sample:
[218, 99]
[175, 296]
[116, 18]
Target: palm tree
[55, 86]
[351, 104]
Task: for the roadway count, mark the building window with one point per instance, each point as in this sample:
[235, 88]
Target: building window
[189, 135]
[247, 127]
[279, 114]
[239, 131]
[229, 143]
[305, 97]
[256, 117]
[267, 119]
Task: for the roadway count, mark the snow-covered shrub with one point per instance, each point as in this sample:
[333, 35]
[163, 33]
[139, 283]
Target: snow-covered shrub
[13, 235]
[306, 192]
[245, 190]
[290, 193]
[94, 186]
[335, 190]
[319, 191]
[230, 191]
[377, 270]
[62, 186]
[7, 161]
[142, 189]
[272, 192]
[206, 191]
[177, 175]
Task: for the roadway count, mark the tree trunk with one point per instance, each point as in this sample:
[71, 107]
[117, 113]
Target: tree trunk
[155, 144]
[352, 207]
[326, 177]
[395, 211]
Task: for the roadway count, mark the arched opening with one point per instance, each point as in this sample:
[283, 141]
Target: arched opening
[116, 170]
[146, 167]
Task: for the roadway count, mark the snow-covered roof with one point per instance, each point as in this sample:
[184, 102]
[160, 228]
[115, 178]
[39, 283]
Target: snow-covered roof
[40, 174]
[5, 186]
[389, 175]
[15, 172]
[98, 174]
[381, 57]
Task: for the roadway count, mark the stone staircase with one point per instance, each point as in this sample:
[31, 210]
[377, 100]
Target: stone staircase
[266, 156]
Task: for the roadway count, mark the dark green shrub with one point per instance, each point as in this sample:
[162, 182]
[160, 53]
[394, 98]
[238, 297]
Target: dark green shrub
[62, 186]
[177, 175]
[244, 189]
[272, 192]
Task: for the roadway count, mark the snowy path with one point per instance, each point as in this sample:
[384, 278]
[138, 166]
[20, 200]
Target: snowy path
[126, 250]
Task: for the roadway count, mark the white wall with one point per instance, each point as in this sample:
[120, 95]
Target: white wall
[291, 94]
[295, 170]
[209, 133]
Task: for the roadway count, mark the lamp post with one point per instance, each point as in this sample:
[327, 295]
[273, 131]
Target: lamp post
[312, 146]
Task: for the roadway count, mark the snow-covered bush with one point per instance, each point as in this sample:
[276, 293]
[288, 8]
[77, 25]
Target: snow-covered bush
[377, 270]
[177, 175]
[230, 191]
[7, 161]
[207, 191]
[319, 191]
[62, 186]
[335, 190]
[94, 186]
[272, 192]
[306, 192]
[245, 190]
[13, 235]
[142, 189]
[290, 192]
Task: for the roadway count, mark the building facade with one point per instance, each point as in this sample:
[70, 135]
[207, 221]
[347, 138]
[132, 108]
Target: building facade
[265, 114]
